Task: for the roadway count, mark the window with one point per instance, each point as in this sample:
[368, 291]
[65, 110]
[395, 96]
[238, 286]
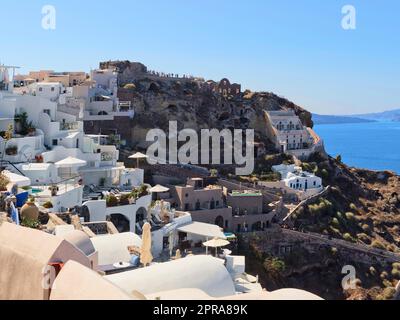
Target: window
[52, 89]
[55, 142]
[40, 89]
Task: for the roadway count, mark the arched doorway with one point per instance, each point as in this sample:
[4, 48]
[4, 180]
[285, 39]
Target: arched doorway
[85, 214]
[121, 222]
[219, 221]
[141, 215]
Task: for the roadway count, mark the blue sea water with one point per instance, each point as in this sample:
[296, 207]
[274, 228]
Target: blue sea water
[374, 145]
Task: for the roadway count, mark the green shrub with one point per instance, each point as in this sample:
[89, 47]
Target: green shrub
[387, 283]
[348, 237]
[387, 294]
[274, 266]
[349, 215]
[366, 228]
[396, 274]
[335, 231]
[323, 207]
[353, 207]
[364, 238]
[111, 201]
[130, 86]
[29, 223]
[124, 199]
[335, 223]
[378, 245]
[384, 275]
[396, 265]
[271, 177]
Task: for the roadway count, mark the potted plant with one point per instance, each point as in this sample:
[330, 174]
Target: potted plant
[30, 223]
[23, 126]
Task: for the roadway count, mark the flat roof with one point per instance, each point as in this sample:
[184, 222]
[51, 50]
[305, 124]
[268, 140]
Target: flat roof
[36, 166]
[245, 193]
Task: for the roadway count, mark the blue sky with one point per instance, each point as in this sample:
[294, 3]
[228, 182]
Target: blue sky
[296, 49]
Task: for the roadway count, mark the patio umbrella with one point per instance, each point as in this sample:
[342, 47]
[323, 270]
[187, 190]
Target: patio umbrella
[145, 254]
[156, 190]
[70, 163]
[159, 189]
[138, 156]
[215, 243]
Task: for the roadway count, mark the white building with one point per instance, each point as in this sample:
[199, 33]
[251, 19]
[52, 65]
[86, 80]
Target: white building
[303, 182]
[48, 135]
[47, 90]
[290, 136]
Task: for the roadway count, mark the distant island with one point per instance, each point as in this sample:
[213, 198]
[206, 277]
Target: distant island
[326, 119]
[391, 115]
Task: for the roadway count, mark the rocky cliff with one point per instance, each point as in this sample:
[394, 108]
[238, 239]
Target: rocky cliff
[192, 103]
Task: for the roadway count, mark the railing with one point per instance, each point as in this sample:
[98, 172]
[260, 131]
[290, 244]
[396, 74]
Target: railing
[61, 186]
[69, 126]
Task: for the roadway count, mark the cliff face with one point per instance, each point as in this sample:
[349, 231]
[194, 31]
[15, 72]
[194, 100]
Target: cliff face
[364, 206]
[192, 103]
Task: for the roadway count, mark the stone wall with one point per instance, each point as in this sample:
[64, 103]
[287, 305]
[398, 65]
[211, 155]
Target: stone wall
[279, 241]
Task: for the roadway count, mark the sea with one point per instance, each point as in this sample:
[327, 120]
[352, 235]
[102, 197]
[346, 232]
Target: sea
[371, 145]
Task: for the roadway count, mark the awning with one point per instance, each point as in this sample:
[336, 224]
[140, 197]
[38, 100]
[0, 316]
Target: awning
[17, 179]
[203, 229]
